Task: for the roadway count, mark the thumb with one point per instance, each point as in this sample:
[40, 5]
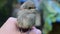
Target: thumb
[10, 24]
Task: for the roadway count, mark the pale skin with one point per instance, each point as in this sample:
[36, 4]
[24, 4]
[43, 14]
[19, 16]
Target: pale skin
[10, 27]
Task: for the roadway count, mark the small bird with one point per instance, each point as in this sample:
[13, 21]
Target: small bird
[28, 18]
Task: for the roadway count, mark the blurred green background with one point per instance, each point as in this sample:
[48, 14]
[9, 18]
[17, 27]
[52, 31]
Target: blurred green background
[6, 7]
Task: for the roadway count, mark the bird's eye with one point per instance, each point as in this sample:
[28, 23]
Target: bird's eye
[30, 8]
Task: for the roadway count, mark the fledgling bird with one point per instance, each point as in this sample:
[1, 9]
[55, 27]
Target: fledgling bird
[30, 5]
[28, 18]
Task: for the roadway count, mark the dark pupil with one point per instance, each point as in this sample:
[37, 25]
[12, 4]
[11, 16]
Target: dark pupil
[30, 8]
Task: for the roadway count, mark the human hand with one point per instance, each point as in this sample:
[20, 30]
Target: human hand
[10, 27]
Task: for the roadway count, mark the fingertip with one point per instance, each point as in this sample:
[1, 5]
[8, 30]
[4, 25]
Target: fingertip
[11, 20]
[34, 27]
[38, 31]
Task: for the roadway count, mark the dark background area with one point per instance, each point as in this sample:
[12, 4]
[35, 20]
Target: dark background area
[56, 28]
[5, 10]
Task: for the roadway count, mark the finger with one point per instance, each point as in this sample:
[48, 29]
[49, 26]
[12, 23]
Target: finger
[9, 27]
[33, 27]
[10, 24]
[37, 31]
